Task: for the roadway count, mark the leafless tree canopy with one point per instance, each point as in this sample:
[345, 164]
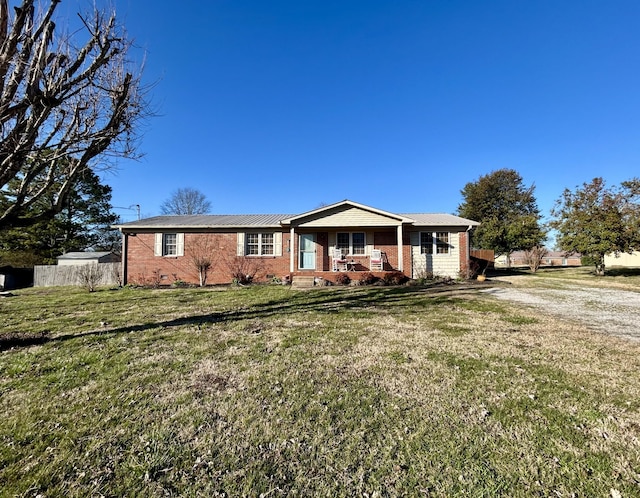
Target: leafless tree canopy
[202, 257]
[66, 101]
[186, 201]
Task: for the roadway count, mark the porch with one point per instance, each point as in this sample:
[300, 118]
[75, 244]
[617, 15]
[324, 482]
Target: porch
[327, 253]
[319, 279]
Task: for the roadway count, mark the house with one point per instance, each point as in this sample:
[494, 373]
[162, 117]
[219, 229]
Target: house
[622, 260]
[86, 257]
[321, 243]
[552, 258]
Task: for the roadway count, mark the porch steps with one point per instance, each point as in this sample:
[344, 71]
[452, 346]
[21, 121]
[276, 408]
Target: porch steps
[302, 282]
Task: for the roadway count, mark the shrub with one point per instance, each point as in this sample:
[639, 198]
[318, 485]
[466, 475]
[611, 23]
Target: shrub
[343, 279]
[242, 269]
[367, 278]
[394, 278]
[89, 276]
[472, 269]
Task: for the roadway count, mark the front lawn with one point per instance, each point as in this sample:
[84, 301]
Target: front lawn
[334, 391]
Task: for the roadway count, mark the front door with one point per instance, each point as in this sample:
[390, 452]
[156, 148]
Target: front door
[307, 246]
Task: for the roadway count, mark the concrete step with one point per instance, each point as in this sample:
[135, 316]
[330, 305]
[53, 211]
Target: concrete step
[302, 282]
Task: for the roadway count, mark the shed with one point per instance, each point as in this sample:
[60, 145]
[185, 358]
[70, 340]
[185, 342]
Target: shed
[86, 257]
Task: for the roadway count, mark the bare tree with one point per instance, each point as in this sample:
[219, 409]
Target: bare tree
[89, 276]
[65, 102]
[243, 269]
[202, 257]
[186, 201]
[534, 256]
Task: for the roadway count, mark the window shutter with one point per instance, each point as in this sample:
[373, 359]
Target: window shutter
[180, 244]
[368, 243]
[415, 239]
[277, 243]
[157, 246]
[240, 249]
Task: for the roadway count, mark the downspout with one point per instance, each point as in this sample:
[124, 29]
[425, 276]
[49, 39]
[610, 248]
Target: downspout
[125, 247]
[466, 263]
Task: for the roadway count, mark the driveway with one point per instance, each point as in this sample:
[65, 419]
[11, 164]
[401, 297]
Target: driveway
[611, 311]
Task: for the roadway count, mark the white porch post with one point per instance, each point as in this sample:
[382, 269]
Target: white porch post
[292, 247]
[400, 249]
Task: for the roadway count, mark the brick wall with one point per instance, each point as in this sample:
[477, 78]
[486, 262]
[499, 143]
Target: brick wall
[463, 238]
[144, 267]
[386, 242]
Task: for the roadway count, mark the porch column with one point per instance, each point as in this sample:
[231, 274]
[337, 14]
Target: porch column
[400, 249]
[292, 247]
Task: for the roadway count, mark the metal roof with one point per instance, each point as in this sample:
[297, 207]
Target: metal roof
[439, 219]
[208, 221]
[83, 255]
[203, 221]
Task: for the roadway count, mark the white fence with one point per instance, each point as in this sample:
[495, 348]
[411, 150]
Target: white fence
[55, 275]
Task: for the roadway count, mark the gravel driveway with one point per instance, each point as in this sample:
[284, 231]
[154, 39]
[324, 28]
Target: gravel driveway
[612, 311]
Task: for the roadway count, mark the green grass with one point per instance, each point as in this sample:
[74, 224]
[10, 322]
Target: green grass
[561, 277]
[332, 392]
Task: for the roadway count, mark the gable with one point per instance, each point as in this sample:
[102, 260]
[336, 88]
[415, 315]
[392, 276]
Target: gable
[346, 216]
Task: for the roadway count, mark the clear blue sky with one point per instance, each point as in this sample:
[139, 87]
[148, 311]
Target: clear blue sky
[280, 106]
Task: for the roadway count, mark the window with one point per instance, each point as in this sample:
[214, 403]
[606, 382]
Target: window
[351, 243]
[426, 243]
[259, 244]
[434, 243]
[169, 244]
[442, 242]
[357, 243]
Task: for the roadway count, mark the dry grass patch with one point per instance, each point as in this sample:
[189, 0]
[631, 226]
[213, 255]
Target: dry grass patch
[336, 392]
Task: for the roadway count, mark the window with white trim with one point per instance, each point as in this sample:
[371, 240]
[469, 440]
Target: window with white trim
[351, 243]
[442, 242]
[259, 244]
[170, 244]
[426, 243]
[434, 242]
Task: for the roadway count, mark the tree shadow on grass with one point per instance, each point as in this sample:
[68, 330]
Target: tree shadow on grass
[330, 301]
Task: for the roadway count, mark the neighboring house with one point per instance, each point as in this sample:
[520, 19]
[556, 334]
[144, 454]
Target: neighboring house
[163, 248]
[552, 258]
[86, 257]
[622, 260]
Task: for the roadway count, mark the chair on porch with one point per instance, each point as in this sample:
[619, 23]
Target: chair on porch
[376, 263]
[337, 260]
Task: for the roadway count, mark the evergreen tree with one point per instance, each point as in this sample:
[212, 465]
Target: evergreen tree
[83, 223]
[507, 211]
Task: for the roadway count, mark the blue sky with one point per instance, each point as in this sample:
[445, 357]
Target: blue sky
[280, 106]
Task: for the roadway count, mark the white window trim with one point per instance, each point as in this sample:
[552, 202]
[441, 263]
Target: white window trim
[350, 253]
[159, 244]
[434, 241]
[277, 244]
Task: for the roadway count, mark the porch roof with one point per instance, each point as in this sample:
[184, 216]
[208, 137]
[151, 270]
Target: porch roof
[327, 211]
